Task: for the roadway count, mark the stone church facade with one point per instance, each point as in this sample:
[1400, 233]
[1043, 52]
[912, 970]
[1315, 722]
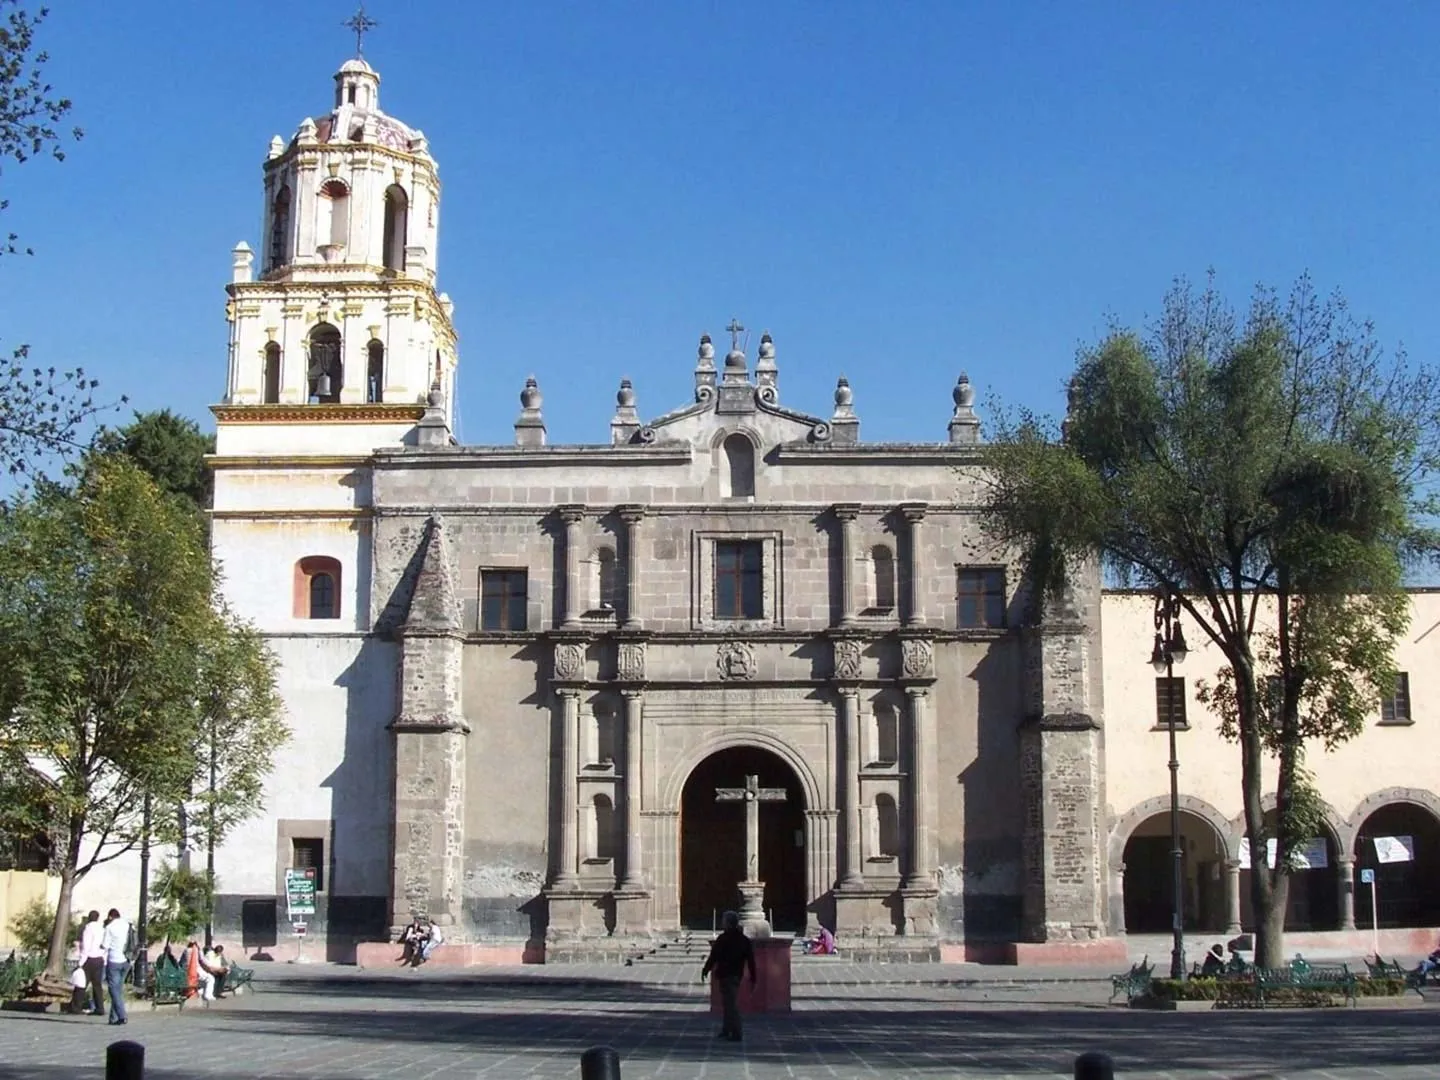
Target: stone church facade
[517, 674]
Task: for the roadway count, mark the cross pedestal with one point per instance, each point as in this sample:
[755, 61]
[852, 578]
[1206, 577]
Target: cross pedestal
[752, 890]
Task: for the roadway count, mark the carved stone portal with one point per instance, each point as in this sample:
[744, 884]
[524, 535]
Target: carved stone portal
[735, 660]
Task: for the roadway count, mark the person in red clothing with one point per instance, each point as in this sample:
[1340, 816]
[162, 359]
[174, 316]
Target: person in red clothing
[731, 955]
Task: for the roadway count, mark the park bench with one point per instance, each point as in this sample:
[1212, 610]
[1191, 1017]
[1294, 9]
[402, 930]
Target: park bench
[170, 985]
[1417, 980]
[1261, 988]
[236, 978]
[1135, 982]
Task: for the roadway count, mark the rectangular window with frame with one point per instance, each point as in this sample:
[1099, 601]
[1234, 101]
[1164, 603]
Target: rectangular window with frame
[981, 595]
[1170, 703]
[308, 853]
[739, 579]
[1395, 708]
[503, 598]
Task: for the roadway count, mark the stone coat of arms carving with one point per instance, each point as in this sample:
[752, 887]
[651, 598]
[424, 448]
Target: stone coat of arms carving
[847, 659]
[917, 658]
[735, 660]
[630, 661]
[569, 660]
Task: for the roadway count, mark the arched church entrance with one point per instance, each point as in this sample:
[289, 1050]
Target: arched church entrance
[1149, 871]
[712, 839]
[1401, 843]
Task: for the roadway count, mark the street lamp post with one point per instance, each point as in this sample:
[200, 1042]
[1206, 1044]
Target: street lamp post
[1170, 649]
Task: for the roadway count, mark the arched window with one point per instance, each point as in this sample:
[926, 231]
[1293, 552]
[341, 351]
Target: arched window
[375, 374]
[887, 820]
[326, 373]
[737, 479]
[605, 579]
[332, 227]
[882, 561]
[397, 213]
[887, 734]
[272, 373]
[280, 228]
[317, 588]
[604, 827]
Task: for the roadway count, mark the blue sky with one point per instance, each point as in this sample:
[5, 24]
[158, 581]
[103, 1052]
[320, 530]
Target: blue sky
[896, 190]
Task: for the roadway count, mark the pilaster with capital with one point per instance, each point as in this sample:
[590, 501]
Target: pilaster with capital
[1347, 893]
[632, 516]
[852, 875]
[845, 514]
[634, 705]
[1232, 897]
[914, 515]
[566, 876]
[571, 517]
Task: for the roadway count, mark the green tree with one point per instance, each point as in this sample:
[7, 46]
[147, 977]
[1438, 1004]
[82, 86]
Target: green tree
[170, 449]
[107, 620]
[42, 410]
[180, 903]
[1273, 471]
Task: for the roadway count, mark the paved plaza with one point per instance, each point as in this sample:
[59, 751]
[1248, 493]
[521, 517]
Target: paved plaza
[849, 1021]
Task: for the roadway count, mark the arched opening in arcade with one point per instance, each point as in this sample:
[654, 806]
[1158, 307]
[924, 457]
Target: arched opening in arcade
[1149, 873]
[1400, 842]
[1314, 900]
[713, 838]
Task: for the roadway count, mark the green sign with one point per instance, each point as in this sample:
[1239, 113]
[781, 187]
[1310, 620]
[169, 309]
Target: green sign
[300, 891]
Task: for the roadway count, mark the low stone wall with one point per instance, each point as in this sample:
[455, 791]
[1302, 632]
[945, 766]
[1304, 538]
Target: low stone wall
[1103, 952]
[382, 954]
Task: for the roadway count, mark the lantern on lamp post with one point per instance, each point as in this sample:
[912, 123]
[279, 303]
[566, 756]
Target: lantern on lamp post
[1170, 649]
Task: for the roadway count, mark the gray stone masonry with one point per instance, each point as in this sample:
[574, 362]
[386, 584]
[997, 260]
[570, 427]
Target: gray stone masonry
[541, 769]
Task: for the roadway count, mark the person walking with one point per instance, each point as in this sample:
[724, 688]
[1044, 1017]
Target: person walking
[731, 955]
[116, 942]
[92, 960]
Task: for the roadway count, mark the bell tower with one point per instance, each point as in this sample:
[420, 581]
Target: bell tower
[336, 320]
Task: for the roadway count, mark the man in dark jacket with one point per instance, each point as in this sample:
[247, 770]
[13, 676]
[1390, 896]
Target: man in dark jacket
[731, 954]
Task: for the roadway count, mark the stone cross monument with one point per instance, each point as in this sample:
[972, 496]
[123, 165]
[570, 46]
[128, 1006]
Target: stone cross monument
[752, 890]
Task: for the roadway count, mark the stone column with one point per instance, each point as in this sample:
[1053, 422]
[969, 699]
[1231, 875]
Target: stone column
[634, 705]
[1232, 898]
[852, 876]
[565, 868]
[914, 514]
[922, 873]
[632, 516]
[1347, 894]
[846, 513]
[572, 516]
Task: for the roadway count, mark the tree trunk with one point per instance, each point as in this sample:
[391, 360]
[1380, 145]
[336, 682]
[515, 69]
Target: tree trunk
[1270, 926]
[55, 965]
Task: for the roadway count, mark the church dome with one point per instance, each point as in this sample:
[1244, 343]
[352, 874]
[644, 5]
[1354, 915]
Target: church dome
[356, 65]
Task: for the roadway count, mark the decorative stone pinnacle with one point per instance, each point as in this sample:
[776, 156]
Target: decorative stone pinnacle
[844, 396]
[530, 397]
[625, 396]
[530, 426]
[964, 424]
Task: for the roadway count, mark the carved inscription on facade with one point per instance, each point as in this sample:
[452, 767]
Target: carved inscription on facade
[630, 661]
[917, 658]
[569, 660]
[735, 660]
[847, 659]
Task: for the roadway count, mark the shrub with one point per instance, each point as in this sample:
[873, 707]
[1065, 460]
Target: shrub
[180, 904]
[33, 924]
[16, 972]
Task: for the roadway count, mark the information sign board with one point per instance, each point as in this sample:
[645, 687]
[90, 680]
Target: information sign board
[300, 891]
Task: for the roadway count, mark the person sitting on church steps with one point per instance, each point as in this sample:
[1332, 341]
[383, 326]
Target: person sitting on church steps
[731, 954]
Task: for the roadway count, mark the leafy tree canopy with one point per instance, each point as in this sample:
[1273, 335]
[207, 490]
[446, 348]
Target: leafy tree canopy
[1274, 470]
[122, 668]
[169, 448]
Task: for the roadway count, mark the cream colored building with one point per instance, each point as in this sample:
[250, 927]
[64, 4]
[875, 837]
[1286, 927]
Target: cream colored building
[1383, 784]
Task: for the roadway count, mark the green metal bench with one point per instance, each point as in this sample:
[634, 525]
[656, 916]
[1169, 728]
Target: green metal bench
[237, 978]
[1135, 982]
[1257, 988]
[170, 985]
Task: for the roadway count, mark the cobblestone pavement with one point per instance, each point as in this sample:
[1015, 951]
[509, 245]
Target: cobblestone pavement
[849, 1022]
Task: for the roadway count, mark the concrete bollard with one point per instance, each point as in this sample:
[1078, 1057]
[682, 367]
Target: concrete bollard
[1093, 1065]
[600, 1063]
[124, 1061]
